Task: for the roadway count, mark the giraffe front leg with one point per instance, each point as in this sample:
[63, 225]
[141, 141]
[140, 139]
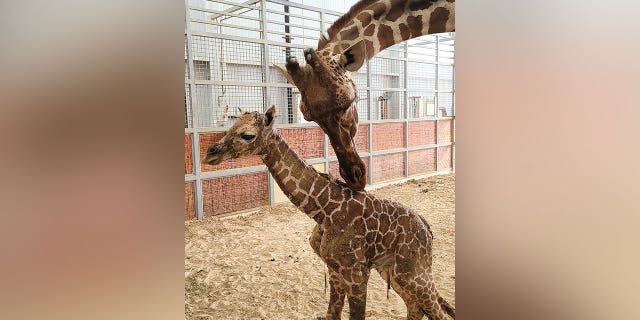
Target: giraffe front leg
[357, 291]
[337, 293]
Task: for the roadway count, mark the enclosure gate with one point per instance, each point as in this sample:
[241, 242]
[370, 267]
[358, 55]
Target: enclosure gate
[406, 100]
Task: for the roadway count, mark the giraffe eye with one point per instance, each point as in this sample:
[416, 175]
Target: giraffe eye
[247, 136]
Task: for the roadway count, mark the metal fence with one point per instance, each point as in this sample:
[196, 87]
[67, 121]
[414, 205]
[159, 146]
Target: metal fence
[230, 46]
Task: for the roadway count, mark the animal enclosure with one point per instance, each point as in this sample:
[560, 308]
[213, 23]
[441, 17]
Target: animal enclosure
[406, 102]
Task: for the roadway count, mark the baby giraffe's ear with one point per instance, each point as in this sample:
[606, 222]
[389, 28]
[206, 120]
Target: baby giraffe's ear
[269, 116]
[241, 111]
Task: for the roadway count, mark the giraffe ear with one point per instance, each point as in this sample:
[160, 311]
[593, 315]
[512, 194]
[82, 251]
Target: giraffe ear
[269, 115]
[284, 73]
[241, 111]
[354, 57]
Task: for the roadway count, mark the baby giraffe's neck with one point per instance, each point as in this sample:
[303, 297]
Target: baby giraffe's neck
[307, 189]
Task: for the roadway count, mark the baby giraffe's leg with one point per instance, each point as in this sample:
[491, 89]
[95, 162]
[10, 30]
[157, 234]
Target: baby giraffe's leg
[413, 309]
[357, 290]
[337, 293]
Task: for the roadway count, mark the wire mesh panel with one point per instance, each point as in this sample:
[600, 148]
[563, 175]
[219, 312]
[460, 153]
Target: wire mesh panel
[188, 114]
[386, 73]
[241, 19]
[234, 47]
[387, 104]
[218, 105]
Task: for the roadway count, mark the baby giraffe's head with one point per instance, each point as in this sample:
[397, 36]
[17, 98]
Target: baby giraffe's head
[249, 135]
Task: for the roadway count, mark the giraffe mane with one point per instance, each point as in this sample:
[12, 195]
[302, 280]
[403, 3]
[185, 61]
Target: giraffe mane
[342, 21]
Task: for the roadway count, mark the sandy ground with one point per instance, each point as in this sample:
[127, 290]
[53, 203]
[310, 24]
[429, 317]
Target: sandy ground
[262, 266]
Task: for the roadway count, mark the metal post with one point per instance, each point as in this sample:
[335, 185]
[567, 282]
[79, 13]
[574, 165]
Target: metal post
[453, 108]
[195, 139]
[265, 76]
[370, 116]
[406, 109]
[437, 102]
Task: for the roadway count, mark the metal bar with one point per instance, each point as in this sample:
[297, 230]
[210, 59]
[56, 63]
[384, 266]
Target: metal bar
[195, 138]
[406, 111]
[293, 25]
[370, 152]
[437, 102]
[296, 15]
[246, 4]
[245, 39]
[226, 25]
[301, 6]
[219, 14]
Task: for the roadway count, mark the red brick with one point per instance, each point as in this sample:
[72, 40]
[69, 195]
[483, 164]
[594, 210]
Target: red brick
[209, 139]
[422, 161]
[388, 136]
[234, 193]
[388, 166]
[422, 133]
[334, 169]
[444, 157]
[189, 201]
[308, 143]
[188, 155]
[444, 131]
[361, 140]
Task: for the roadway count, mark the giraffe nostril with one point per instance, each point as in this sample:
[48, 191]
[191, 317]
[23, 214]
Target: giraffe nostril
[357, 173]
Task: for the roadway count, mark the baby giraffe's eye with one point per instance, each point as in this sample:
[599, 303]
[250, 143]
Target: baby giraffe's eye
[248, 136]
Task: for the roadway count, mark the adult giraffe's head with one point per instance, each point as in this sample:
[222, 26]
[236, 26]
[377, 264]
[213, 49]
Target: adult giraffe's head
[329, 97]
[329, 94]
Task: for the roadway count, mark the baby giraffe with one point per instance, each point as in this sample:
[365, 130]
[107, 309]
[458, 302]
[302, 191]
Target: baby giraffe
[355, 230]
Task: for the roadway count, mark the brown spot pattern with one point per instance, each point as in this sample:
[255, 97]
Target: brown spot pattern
[438, 20]
[385, 36]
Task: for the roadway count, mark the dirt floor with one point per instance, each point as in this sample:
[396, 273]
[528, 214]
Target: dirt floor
[262, 266]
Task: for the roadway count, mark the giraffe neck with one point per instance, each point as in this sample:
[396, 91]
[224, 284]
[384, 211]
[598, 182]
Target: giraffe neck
[300, 182]
[383, 23]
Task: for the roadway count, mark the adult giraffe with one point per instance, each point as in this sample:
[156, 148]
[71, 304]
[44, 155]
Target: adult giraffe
[329, 94]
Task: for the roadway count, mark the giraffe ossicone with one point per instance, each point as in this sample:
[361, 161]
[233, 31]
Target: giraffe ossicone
[355, 230]
[329, 94]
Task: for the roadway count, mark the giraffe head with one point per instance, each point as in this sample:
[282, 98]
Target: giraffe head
[329, 98]
[246, 137]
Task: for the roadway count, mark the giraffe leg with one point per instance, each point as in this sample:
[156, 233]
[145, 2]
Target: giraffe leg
[413, 309]
[337, 293]
[357, 292]
[420, 292]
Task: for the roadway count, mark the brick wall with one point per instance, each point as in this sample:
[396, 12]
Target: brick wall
[229, 194]
[444, 131]
[444, 157]
[422, 161]
[234, 193]
[306, 142]
[188, 155]
[189, 201]
[388, 136]
[422, 133]
[388, 166]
